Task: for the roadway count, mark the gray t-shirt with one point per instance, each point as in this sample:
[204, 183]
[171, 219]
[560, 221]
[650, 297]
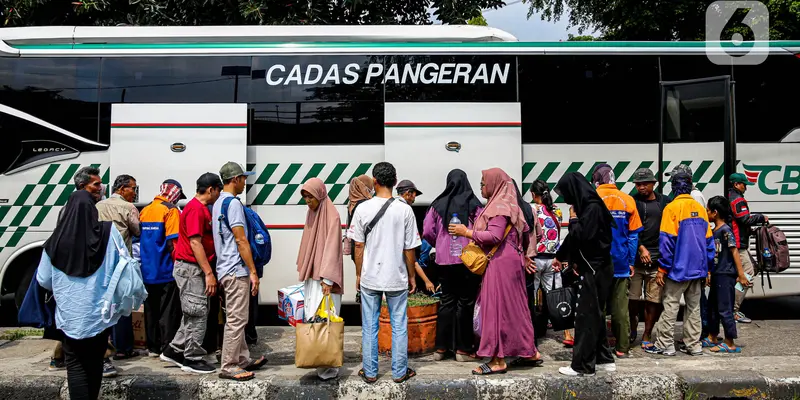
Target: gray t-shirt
[228, 259]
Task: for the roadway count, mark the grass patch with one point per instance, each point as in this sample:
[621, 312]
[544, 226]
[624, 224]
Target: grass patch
[417, 300]
[15, 334]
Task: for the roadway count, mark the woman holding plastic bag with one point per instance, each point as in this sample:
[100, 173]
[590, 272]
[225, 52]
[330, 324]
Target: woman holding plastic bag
[319, 262]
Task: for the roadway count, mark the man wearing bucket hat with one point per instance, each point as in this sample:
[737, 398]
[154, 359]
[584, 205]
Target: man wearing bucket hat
[696, 193]
[743, 221]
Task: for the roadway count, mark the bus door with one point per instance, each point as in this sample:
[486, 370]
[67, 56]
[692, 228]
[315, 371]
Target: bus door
[697, 129]
[425, 141]
[155, 142]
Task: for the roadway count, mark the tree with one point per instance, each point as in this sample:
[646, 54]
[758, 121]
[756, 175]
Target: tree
[240, 12]
[580, 38]
[479, 20]
[662, 19]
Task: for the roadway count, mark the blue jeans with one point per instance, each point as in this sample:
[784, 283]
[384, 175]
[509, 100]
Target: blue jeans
[122, 334]
[370, 311]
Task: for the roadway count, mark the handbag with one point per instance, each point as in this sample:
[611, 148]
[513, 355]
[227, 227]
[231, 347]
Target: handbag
[560, 305]
[475, 259]
[38, 309]
[320, 344]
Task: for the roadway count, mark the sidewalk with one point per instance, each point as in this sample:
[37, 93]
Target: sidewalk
[768, 368]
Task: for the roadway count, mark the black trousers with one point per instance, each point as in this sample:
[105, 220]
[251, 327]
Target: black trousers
[84, 360]
[591, 341]
[162, 315]
[537, 308]
[212, 339]
[457, 305]
[250, 334]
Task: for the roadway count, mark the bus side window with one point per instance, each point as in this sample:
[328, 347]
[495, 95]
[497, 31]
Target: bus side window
[767, 100]
[589, 98]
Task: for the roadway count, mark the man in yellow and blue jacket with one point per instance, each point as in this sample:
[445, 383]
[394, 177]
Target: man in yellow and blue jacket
[686, 244]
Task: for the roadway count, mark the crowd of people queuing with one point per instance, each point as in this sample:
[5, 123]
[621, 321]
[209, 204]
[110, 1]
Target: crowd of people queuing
[625, 255]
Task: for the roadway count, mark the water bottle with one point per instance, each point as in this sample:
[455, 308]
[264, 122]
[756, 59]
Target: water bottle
[766, 256]
[259, 238]
[455, 247]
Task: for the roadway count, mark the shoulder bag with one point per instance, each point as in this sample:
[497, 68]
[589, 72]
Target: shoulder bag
[475, 259]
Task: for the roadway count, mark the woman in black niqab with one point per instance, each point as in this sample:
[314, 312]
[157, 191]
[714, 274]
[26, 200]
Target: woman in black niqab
[457, 198]
[588, 245]
[77, 246]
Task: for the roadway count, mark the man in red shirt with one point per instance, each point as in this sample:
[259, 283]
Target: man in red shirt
[194, 276]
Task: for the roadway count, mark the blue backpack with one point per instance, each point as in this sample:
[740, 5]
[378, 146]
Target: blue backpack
[257, 234]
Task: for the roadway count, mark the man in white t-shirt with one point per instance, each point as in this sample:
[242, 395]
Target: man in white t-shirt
[384, 257]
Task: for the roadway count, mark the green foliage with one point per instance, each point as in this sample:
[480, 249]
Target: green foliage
[15, 334]
[662, 19]
[479, 20]
[239, 12]
[581, 38]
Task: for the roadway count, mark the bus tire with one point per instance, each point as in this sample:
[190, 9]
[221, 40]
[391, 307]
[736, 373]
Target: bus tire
[20, 273]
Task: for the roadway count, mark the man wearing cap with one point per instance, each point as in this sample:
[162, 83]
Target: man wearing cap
[696, 194]
[162, 309]
[743, 221]
[624, 245]
[408, 191]
[649, 205]
[237, 274]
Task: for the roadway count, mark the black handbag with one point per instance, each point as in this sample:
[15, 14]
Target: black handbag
[560, 305]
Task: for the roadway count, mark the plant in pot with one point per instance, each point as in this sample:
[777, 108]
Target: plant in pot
[422, 310]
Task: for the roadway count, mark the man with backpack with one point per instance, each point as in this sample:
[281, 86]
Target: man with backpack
[743, 222]
[236, 272]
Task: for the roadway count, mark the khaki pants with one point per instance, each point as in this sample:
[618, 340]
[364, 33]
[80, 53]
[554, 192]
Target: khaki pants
[664, 331]
[747, 266]
[235, 354]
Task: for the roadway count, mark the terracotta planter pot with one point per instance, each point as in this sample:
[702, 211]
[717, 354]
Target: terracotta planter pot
[421, 329]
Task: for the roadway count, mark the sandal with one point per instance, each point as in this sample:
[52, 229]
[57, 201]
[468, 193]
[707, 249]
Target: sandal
[365, 378]
[706, 342]
[724, 348]
[257, 364]
[410, 373]
[569, 343]
[461, 357]
[645, 344]
[123, 355]
[526, 362]
[239, 375]
[485, 369]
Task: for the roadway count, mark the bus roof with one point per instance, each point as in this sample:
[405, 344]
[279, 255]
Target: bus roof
[299, 40]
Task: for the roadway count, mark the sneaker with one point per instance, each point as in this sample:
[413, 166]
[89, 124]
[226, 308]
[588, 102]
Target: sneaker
[609, 367]
[211, 359]
[655, 350]
[56, 364]
[741, 318]
[154, 354]
[170, 355]
[568, 371]
[198, 367]
[109, 371]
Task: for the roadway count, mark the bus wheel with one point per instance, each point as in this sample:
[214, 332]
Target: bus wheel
[24, 282]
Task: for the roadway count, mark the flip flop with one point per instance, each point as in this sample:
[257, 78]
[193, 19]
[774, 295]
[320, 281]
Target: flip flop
[257, 364]
[239, 375]
[485, 369]
[410, 373]
[706, 342]
[365, 378]
[645, 344]
[569, 343]
[724, 348]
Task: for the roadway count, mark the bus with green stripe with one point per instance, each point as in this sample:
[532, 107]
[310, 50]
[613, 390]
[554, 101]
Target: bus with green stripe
[291, 103]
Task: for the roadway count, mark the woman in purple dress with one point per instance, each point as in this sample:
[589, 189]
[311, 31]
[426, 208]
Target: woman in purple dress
[506, 328]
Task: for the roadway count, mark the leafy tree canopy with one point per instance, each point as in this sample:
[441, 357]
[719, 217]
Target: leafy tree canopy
[240, 12]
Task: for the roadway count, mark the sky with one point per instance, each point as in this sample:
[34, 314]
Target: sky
[513, 19]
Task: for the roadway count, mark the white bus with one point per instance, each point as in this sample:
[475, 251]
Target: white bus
[292, 103]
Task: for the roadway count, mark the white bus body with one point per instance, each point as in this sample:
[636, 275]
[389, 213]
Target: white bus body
[330, 102]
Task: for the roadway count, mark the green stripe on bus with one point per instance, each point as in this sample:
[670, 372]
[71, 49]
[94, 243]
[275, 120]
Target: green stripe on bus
[313, 172]
[23, 196]
[64, 196]
[395, 45]
[46, 192]
[263, 194]
[14, 240]
[289, 174]
[3, 211]
[266, 173]
[37, 221]
[287, 194]
[333, 177]
[548, 170]
[717, 177]
[21, 214]
[361, 170]
[335, 190]
[51, 170]
[68, 175]
[618, 170]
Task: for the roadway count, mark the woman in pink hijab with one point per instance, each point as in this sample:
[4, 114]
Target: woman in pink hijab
[319, 261]
[506, 328]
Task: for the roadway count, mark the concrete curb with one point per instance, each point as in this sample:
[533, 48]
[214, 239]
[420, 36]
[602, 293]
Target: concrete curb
[618, 386]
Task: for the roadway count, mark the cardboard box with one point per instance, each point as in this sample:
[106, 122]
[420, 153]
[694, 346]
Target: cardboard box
[139, 335]
[290, 304]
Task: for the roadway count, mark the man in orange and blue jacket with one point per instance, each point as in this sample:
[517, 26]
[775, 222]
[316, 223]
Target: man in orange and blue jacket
[687, 251]
[624, 246]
